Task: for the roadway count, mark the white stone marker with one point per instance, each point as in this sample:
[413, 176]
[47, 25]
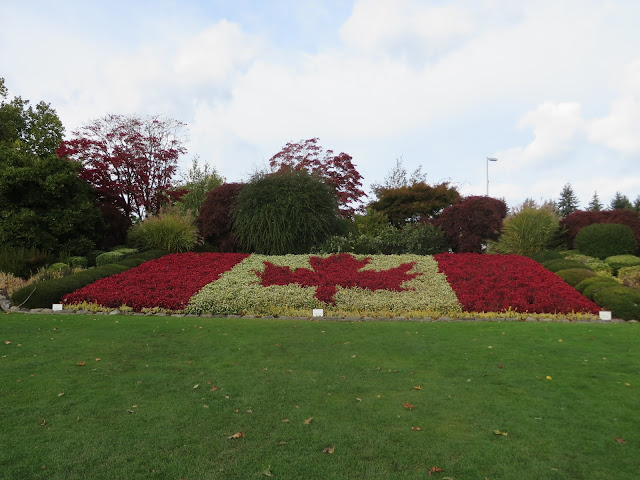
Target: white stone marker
[604, 315]
[318, 312]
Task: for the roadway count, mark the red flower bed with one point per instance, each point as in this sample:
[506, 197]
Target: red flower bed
[337, 270]
[168, 282]
[495, 283]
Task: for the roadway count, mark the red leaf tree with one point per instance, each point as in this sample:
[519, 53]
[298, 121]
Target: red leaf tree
[470, 223]
[338, 171]
[214, 220]
[129, 160]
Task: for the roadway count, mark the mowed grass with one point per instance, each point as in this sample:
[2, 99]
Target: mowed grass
[149, 409]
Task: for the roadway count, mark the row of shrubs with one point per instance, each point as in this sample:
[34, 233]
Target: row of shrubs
[47, 292]
[612, 283]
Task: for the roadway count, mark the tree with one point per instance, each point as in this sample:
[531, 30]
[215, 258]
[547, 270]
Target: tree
[411, 203]
[568, 201]
[595, 205]
[43, 202]
[579, 219]
[469, 224]
[130, 161]
[337, 171]
[397, 177]
[636, 204]
[197, 182]
[214, 221]
[619, 202]
[287, 212]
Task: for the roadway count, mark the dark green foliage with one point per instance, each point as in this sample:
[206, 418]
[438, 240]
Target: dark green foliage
[573, 276]
[43, 202]
[620, 202]
[590, 286]
[580, 219]
[469, 224]
[621, 261]
[58, 266]
[78, 262]
[623, 302]
[109, 257]
[150, 254]
[414, 239]
[214, 221]
[131, 262]
[546, 255]
[595, 205]
[562, 264]
[287, 212]
[20, 261]
[410, 203]
[48, 292]
[91, 257]
[602, 240]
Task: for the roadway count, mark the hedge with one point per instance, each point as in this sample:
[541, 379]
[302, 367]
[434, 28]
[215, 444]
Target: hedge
[573, 276]
[623, 302]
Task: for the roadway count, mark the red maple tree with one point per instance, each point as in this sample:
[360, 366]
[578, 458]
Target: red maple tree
[129, 160]
[337, 270]
[338, 171]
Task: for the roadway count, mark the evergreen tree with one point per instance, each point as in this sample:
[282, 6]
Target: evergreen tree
[568, 201]
[636, 204]
[620, 202]
[595, 205]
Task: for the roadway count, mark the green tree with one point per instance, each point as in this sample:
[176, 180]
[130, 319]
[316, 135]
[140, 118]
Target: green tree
[411, 203]
[568, 201]
[595, 205]
[287, 212]
[43, 202]
[198, 181]
[619, 202]
[636, 204]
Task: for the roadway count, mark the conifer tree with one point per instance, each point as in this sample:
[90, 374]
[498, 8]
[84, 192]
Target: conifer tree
[619, 202]
[568, 201]
[595, 205]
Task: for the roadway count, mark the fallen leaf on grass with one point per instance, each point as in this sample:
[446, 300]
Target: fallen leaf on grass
[434, 469]
[196, 385]
[416, 429]
[237, 435]
[408, 405]
[548, 377]
[267, 472]
[417, 387]
[329, 450]
[214, 388]
[285, 420]
[61, 394]
[620, 440]
[498, 432]
[81, 364]
[43, 423]
[7, 342]
[359, 399]
[308, 421]
[282, 442]
[98, 359]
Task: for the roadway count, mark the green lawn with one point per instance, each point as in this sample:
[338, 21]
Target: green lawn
[148, 408]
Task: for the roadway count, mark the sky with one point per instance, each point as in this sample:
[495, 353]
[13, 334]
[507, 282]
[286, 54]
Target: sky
[550, 88]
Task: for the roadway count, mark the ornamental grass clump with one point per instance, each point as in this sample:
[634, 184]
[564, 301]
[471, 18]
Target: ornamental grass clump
[167, 231]
[528, 232]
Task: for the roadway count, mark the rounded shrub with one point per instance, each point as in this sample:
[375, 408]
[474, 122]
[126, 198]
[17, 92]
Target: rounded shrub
[573, 276]
[593, 263]
[562, 264]
[546, 255]
[602, 240]
[288, 212]
[91, 257]
[168, 231]
[630, 276]
[109, 257]
[623, 302]
[621, 261]
[597, 284]
[78, 262]
[56, 267]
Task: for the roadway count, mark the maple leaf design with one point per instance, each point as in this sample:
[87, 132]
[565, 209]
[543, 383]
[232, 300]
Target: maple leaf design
[343, 270]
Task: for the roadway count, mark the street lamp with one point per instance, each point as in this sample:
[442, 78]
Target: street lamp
[489, 159]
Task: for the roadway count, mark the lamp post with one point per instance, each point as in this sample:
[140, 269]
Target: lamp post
[489, 159]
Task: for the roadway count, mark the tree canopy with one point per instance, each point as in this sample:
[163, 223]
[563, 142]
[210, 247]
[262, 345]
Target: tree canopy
[568, 201]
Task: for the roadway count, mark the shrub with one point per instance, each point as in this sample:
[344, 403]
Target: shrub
[22, 262]
[576, 221]
[616, 262]
[422, 239]
[561, 264]
[630, 276]
[591, 280]
[91, 257]
[546, 255]
[109, 257]
[593, 263]
[58, 266]
[9, 283]
[602, 240]
[124, 249]
[528, 232]
[287, 212]
[624, 302]
[214, 221]
[168, 231]
[469, 224]
[596, 284]
[48, 292]
[573, 276]
[77, 262]
[130, 262]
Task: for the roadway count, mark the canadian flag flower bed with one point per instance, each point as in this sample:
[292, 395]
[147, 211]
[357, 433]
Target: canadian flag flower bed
[494, 283]
[343, 284]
